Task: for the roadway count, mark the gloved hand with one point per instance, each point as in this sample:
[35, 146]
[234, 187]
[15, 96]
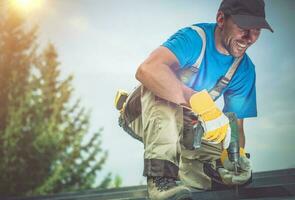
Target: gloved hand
[227, 172]
[215, 123]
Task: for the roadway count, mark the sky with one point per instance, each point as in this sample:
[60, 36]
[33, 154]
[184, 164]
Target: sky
[103, 42]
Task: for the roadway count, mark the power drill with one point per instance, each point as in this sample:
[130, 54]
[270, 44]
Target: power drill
[234, 145]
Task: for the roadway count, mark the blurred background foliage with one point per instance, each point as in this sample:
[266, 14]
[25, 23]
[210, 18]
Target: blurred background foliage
[43, 143]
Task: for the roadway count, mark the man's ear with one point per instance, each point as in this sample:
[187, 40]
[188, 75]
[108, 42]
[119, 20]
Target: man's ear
[220, 19]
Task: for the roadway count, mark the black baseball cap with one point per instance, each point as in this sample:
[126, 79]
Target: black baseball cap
[246, 13]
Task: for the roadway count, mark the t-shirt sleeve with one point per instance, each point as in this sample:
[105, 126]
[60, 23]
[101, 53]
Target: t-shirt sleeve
[186, 45]
[240, 97]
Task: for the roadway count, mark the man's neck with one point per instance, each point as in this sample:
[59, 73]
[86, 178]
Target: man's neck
[218, 44]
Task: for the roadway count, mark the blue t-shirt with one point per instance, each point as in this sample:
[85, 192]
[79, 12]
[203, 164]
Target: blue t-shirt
[240, 94]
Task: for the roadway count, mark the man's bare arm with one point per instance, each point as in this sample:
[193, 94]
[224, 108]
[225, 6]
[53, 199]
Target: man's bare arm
[157, 73]
[241, 132]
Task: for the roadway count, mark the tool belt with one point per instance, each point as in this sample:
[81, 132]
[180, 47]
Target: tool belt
[129, 106]
[132, 108]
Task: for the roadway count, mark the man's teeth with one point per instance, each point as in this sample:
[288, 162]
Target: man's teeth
[241, 45]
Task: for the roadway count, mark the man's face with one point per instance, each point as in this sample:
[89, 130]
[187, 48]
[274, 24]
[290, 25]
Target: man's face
[236, 40]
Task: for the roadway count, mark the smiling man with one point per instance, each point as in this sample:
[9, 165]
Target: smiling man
[172, 102]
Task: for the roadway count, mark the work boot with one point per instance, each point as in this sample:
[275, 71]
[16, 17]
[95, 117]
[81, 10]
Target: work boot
[162, 188]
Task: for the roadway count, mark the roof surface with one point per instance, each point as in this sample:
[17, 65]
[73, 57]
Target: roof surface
[270, 185]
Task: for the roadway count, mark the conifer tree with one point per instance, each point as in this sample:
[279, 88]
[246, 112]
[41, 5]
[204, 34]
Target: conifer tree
[43, 148]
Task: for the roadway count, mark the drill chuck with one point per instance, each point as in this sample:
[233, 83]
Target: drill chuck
[234, 151]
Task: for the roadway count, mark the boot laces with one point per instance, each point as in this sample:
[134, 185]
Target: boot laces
[164, 183]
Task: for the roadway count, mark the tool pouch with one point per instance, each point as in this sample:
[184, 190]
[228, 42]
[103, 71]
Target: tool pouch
[192, 136]
[132, 108]
[129, 106]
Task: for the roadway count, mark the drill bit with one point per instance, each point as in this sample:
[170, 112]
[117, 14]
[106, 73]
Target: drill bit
[236, 186]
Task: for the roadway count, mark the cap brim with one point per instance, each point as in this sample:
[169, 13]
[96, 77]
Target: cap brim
[249, 22]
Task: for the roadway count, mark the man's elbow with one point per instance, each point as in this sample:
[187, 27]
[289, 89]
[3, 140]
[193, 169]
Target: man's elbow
[141, 72]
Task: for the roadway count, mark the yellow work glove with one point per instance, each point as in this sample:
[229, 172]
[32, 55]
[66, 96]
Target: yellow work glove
[215, 123]
[227, 172]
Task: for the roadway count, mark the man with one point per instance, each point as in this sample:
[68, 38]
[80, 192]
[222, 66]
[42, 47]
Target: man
[168, 104]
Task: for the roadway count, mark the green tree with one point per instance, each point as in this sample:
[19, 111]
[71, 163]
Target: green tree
[43, 145]
[117, 181]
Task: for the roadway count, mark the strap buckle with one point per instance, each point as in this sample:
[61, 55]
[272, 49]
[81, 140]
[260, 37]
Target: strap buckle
[219, 87]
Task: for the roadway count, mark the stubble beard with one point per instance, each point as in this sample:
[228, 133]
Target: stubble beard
[233, 48]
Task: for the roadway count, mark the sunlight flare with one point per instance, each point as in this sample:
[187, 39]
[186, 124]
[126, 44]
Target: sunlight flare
[28, 5]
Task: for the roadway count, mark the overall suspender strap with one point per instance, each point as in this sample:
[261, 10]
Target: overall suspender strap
[198, 62]
[188, 75]
[224, 81]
